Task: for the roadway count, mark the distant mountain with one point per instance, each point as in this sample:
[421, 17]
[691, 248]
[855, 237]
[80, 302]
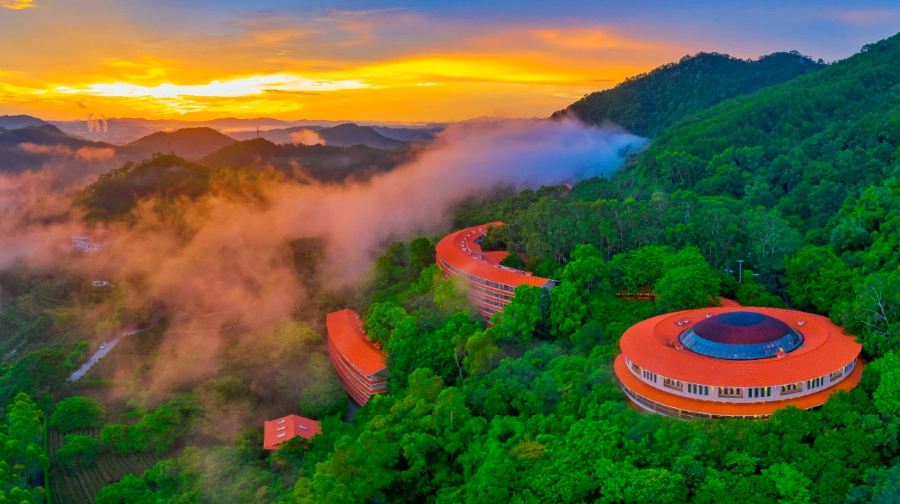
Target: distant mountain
[32, 146]
[19, 121]
[189, 143]
[345, 135]
[649, 103]
[342, 135]
[422, 135]
[322, 162]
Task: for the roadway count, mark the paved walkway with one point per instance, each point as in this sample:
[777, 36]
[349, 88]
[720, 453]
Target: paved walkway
[99, 354]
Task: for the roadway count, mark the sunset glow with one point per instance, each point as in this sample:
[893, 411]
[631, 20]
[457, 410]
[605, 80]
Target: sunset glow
[67, 59]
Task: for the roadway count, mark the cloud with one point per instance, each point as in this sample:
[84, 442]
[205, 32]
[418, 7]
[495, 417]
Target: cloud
[350, 62]
[16, 4]
[226, 261]
[234, 87]
[82, 153]
[307, 137]
[863, 17]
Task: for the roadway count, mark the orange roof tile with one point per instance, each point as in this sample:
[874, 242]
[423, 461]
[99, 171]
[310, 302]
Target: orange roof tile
[281, 429]
[725, 408]
[653, 344]
[346, 335]
[460, 250]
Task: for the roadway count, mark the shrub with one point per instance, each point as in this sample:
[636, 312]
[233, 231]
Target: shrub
[77, 412]
[77, 451]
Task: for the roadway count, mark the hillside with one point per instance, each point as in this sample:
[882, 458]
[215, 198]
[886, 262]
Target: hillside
[342, 135]
[166, 178]
[19, 121]
[322, 162]
[804, 144]
[647, 104]
[32, 146]
[190, 143]
[346, 135]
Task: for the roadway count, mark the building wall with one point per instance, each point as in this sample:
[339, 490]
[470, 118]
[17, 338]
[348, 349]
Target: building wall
[712, 392]
[360, 386]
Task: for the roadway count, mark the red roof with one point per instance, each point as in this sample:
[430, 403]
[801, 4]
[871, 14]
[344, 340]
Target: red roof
[460, 250]
[653, 345]
[281, 429]
[346, 334]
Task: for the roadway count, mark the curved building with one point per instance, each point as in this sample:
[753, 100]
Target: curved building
[735, 361]
[358, 362]
[491, 285]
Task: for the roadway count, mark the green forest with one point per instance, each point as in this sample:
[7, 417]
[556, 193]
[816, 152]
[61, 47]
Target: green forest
[795, 171]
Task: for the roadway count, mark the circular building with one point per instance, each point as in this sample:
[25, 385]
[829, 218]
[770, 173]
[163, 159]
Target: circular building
[735, 362]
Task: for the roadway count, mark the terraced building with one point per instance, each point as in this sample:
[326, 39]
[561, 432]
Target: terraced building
[491, 285]
[359, 363]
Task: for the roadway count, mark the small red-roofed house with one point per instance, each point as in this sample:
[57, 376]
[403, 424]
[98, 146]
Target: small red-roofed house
[281, 429]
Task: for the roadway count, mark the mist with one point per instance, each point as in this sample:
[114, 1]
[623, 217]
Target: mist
[228, 260]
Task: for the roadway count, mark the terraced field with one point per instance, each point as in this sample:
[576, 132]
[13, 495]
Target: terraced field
[43, 302]
[81, 485]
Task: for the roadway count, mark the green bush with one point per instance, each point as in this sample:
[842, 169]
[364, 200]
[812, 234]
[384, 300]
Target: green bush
[77, 412]
[77, 451]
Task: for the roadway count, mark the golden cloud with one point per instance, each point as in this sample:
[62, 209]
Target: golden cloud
[16, 4]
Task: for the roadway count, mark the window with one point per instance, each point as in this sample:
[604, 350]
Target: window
[673, 384]
[837, 374]
[649, 376]
[635, 367]
[758, 392]
[731, 392]
[815, 382]
[791, 388]
[693, 388]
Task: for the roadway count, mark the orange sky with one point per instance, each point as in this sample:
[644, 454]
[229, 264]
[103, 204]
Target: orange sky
[65, 59]
[340, 65]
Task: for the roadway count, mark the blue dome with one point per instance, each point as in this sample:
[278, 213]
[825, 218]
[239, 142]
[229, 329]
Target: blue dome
[740, 335]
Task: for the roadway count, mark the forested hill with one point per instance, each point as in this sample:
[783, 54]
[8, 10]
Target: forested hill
[648, 103]
[803, 145]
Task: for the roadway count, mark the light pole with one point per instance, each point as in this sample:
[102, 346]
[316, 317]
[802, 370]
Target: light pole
[740, 271]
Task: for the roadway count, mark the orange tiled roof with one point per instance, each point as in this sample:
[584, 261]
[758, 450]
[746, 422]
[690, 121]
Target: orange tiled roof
[727, 408]
[345, 333]
[653, 344]
[281, 429]
[460, 250]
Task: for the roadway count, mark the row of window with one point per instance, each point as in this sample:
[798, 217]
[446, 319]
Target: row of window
[738, 392]
[476, 279]
[678, 412]
[488, 292]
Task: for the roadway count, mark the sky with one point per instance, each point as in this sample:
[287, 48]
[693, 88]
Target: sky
[391, 61]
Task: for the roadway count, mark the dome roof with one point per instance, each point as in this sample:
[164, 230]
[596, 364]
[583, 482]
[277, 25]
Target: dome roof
[740, 335]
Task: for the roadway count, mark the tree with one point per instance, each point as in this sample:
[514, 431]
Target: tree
[21, 454]
[752, 293]
[791, 484]
[817, 278]
[77, 451]
[525, 316]
[689, 282]
[77, 412]
[887, 395]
